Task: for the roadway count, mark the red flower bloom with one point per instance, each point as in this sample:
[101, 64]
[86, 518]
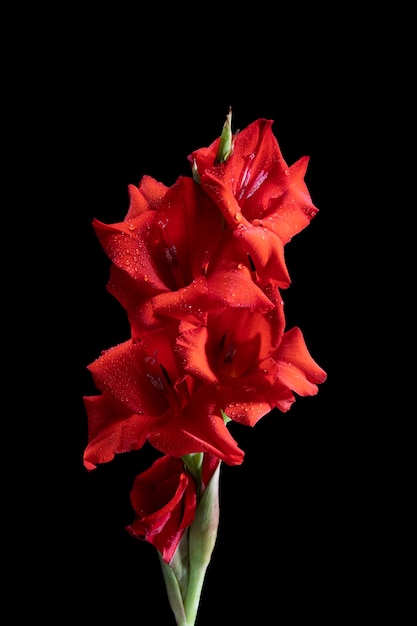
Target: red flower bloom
[297, 371]
[251, 363]
[161, 253]
[198, 268]
[232, 280]
[264, 201]
[146, 396]
[156, 268]
[164, 499]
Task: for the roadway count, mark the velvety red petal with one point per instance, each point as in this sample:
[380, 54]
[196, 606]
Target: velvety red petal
[191, 346]
[258, 165]
[197, 428]
[234, 287]
[136, 298]
[245, 335]
[156, 488]
[125, 245]
[292, 211]
[283, 399]
[247, 413]
[190, 226]
[222, 195]
[266, 250]
[189, 303]
[164, 500]
[297, 369]
[145, 197]
[203, 158]
[230, 278]
[112, 429]
[124, 373]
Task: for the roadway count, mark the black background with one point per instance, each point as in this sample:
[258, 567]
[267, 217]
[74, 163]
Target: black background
[284, 513]
[296, 538]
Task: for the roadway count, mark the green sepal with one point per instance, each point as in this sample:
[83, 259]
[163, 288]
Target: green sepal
[184, 576]
[225, 417]
[173, 593]
[196, 175]
[226, 140]
[201, 542]
[193, 463]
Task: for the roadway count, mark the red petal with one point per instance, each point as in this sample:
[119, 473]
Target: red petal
[136, 298]
[230, 277]
[247, 413]
[164, 500]
[112, 429]
[126, 246]
[124, 373]
[297, 369]
[189, 303]
[191, 346]
[292, 211]
[190, 226]
[198, 428]
[256, 185]
[146, 196]
[266, 250]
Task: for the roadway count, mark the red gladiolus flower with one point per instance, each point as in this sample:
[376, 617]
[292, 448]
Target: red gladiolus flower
[264, 201]
[145, 396]
[297, 371]
[162, 252]
[199, 268]
[252, 364]
[164, 499]
[156, 268]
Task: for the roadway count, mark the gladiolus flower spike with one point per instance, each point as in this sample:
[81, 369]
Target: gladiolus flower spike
[199, 268]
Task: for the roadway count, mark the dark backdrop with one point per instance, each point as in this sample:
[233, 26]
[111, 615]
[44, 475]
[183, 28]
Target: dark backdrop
[294, 541]
[283, 538]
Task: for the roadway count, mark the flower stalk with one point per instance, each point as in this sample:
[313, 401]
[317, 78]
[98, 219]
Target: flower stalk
[200, 269]
[185, 575]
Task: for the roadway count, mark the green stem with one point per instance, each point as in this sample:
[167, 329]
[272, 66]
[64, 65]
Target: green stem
[195, 587]
[174, 593]
[202, 538]
[184, 576]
